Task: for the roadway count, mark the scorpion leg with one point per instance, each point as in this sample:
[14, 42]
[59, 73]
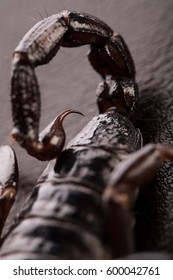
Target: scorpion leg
[121, 192]
[8, 182]
[38, 47]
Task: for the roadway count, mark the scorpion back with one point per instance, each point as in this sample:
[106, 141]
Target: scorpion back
[64, 217]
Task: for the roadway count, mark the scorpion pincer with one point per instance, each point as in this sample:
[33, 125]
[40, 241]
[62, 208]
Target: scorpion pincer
[82, 206]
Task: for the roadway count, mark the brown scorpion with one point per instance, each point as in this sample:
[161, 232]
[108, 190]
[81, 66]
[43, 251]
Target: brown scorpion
[82, 205]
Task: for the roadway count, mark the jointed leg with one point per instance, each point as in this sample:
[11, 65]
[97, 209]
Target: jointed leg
[120, 194]
[8, 182]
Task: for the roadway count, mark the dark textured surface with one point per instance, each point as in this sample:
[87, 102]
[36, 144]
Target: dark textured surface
[69, 81]
[66, 216]
[155, 230]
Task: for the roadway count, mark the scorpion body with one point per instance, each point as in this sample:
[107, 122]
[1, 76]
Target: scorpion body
[82, 205]
[64, 216]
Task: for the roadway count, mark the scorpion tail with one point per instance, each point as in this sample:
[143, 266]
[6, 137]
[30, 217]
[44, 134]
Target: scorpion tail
[51, 140]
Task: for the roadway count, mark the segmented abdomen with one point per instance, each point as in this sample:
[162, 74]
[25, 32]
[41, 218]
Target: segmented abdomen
[64, 218]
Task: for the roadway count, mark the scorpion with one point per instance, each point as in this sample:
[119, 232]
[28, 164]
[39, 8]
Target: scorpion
[82, 205]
